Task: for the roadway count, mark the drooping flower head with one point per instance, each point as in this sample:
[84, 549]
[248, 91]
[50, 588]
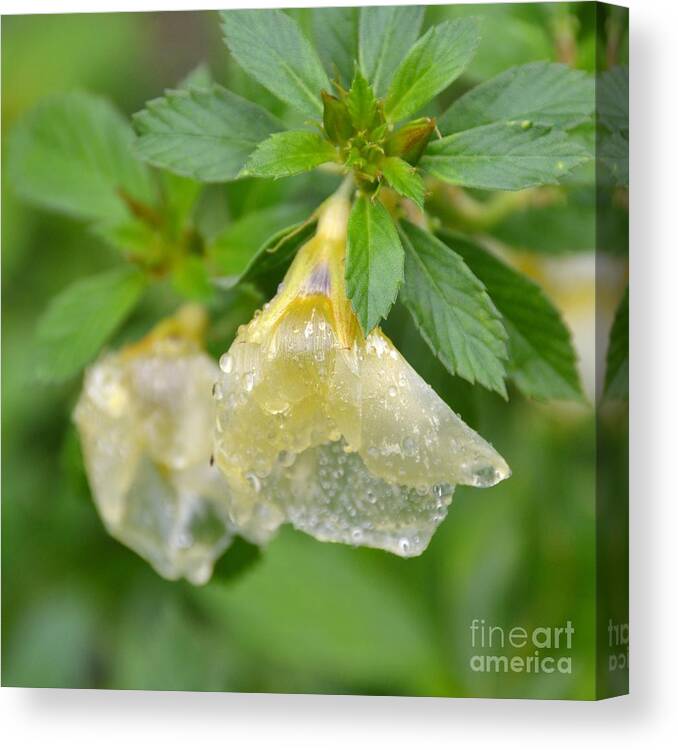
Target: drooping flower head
[145, 418]
[331, 430]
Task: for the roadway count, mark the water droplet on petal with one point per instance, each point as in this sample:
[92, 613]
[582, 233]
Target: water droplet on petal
[226, 363]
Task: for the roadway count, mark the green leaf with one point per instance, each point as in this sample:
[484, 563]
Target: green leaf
[206, 135]
[135, 238]
[191, 279]
[374, 262]
[612, 98]
[614, 154]
[235, 247]
[336, 35]
[180, 195]
[270, 46]
[272, 259]
[542, 360]
[403, 178]
[385, 34]
[80, 319]
[544, 93]
[431, 65]
[288, 153]
[73, 153]
[198, 78]
[503, 156]
[360, 102]
[452, 310]
[617, 368]
[564, 224]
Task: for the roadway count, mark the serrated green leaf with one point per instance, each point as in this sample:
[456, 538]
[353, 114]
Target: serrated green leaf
[542, 360]
[544, 93]
[452, 310]
[270, 46]
[374, 262]
[80, 319]
[234, 248]
[73, 153]
[385, 35]
[612, 98]
[336, 35]
[617, 367]
[360, 102]
[403, 178]
[431, 65]
[503, 156]
[288, 153]
[206, 135]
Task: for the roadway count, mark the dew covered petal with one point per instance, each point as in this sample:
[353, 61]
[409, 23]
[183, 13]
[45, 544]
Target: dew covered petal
[145, 421]
[335, 432]
[409, 434]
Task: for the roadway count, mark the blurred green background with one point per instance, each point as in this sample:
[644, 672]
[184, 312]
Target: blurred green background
[81, 610]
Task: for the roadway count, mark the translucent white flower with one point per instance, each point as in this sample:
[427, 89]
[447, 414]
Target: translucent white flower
[332, 431]
[145, 418]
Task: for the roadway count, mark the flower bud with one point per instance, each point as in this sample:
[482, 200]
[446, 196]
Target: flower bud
[336, 119]
[410, 141]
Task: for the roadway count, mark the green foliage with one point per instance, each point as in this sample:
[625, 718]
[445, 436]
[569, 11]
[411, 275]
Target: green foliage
[452, 310]
[335, 31]
[430, 66]
[403, 178]
[289, 153]
[542, 360]
[544, 93]
[79, 320]
[386, 33]
[612, 98]
[204, 134]
[271, 47]
[374, 262]
[504, 156]
[73, 154]
[617, 368]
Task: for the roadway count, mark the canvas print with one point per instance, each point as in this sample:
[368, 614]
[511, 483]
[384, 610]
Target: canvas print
[315, 350]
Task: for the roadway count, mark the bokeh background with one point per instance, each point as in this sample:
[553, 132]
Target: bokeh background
[81, 610]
